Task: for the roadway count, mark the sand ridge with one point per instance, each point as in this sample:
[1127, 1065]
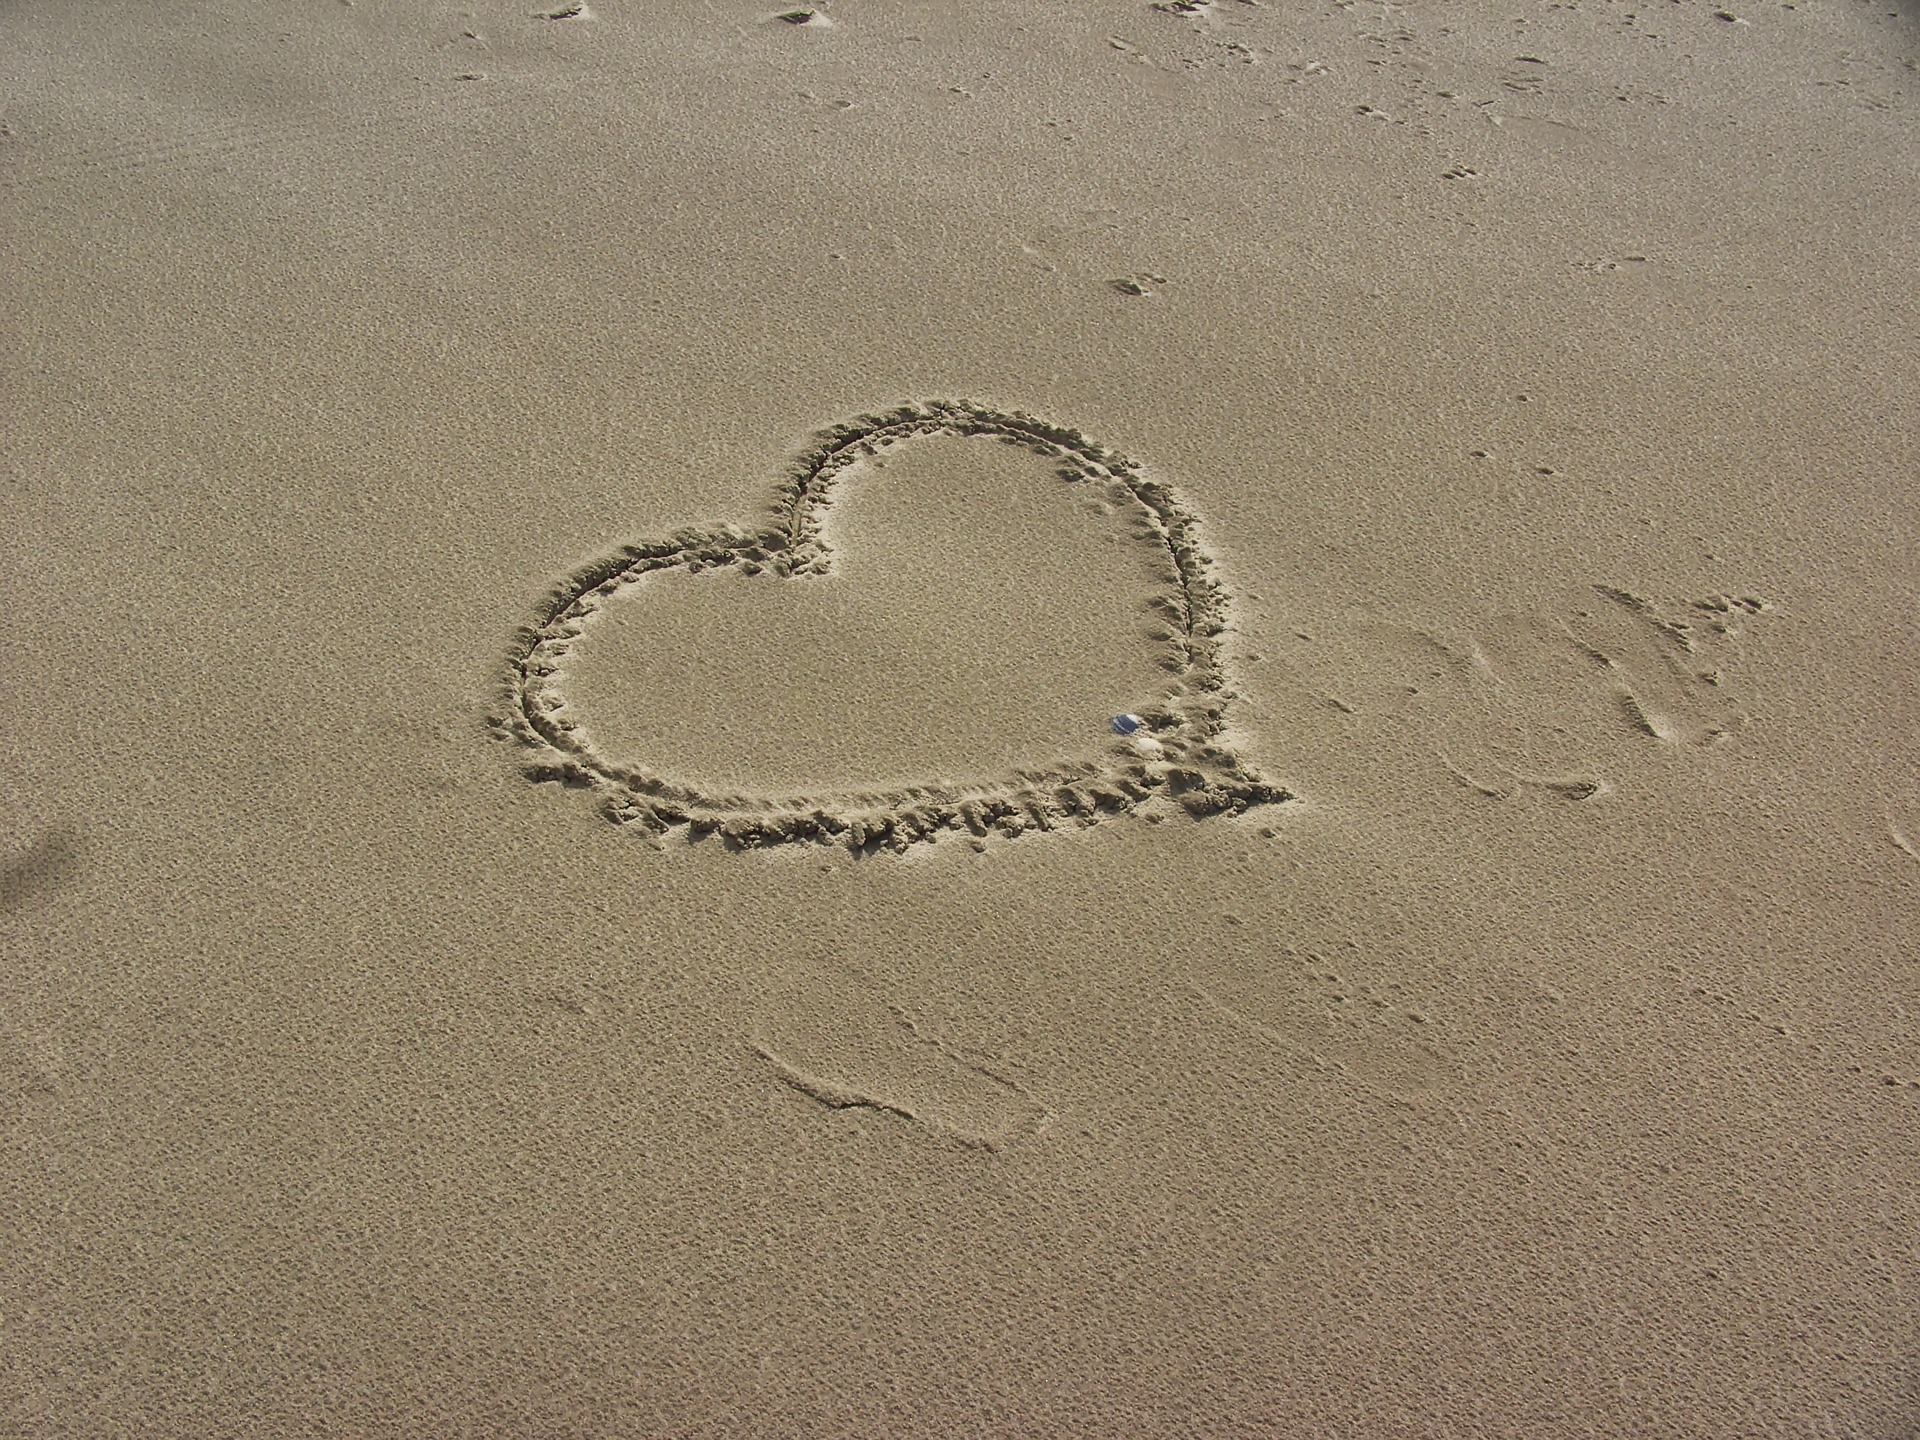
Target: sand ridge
[1182, 753]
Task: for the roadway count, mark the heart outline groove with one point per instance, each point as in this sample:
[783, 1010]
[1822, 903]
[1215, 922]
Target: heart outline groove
[1186, 760]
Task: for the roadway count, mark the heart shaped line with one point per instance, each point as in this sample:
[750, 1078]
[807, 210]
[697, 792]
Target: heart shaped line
[1179, 751]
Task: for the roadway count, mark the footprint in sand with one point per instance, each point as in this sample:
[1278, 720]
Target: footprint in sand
[1546, 703]
[825, 1034]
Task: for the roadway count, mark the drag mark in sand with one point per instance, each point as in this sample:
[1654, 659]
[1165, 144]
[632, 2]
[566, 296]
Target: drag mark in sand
[840, 1095]
[1901, 842]
[1183, 756]
[831, 1093]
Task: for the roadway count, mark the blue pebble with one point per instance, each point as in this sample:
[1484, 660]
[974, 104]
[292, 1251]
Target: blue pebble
[1126, 724]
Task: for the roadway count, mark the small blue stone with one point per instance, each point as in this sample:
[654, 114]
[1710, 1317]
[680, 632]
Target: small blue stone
[1126, 724]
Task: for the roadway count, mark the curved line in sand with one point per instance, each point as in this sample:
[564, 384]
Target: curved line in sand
[1195, 766]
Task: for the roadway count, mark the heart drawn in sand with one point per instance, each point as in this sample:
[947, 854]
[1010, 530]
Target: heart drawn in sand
[1169, 749]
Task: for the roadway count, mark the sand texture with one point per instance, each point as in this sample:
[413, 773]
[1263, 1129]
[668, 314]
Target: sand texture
[568, 574]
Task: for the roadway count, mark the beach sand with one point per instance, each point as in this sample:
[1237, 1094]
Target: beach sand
[1491, 1012]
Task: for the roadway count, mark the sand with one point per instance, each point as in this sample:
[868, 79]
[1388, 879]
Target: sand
[1491, 1013]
